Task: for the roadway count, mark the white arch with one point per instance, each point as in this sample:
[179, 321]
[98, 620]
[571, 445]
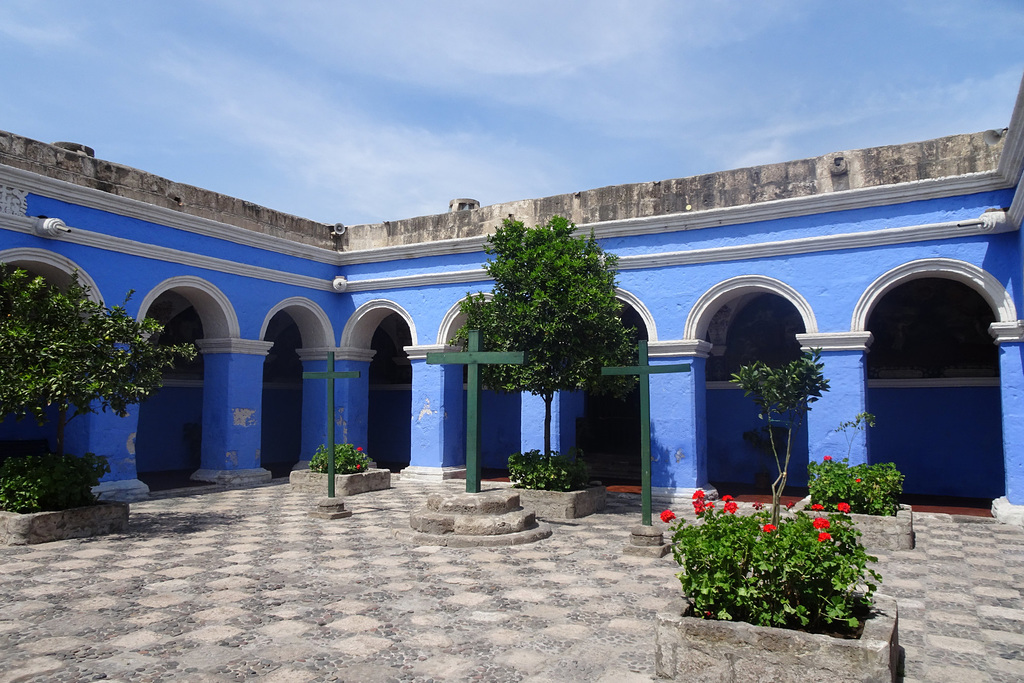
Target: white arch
[454, 319]
[214, 308]
[709, 303]
[358, 332]
[314, 325]
[642, 310]
[969, 274]
[54, 267]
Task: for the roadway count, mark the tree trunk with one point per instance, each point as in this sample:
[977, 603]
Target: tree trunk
[547, 422]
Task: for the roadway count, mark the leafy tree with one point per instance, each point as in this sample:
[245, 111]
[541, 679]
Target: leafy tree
[783, 396]
[554, 298]
[60, 348]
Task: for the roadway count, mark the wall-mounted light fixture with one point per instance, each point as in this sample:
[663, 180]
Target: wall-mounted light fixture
[340, 283]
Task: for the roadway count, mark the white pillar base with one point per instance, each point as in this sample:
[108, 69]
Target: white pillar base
[1008, 513]
[122, 491]
[426, 474]
[257, 475]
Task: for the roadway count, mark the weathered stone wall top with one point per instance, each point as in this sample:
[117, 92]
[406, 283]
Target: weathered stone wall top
[945, 157]
[125, 181]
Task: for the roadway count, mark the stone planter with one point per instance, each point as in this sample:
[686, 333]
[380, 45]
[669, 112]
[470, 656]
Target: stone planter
[344, 484]
[563, 504]
[878, 533]
[43, 527]
[687, 648]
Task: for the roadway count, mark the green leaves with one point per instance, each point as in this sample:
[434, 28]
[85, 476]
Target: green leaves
[532, 470]
[49, 482]
[867, 489]
[348, 459]
[59, 348]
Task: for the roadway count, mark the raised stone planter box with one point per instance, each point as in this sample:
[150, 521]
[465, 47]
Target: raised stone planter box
[692, 649]
[878, 533]
[43, 527]
[344, 484]
[563, 504]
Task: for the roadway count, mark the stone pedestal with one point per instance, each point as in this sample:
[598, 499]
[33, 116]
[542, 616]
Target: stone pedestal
[461, 520]
[330, 508]
[647, 541]
[564, 504]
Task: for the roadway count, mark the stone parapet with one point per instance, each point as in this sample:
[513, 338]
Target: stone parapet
[43, 527]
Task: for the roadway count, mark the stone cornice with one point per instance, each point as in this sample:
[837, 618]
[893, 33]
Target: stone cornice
[420, 352]
[133, 208]
[1007, 332]
[836, 341]
[248, 347]
[671, 348]
[420, 280]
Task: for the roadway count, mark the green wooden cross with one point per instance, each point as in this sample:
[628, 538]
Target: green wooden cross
[474, 358]
[645, 371]
[330, 375]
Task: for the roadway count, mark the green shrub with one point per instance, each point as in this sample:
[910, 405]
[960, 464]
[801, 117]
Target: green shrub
[348, 459]
[802, 573]
[868, 489]
[38, 483]
[531, 470]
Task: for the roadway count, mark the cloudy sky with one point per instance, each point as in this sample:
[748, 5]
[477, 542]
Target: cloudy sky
[359, 112]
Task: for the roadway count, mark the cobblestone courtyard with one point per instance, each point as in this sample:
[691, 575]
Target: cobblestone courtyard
[242, 584]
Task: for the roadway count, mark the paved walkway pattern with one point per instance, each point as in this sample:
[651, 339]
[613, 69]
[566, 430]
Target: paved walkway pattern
[242, 584]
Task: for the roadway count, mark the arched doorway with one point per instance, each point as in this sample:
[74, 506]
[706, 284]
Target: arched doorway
[933, 385]
[609, 432]
[754, 326]
[281, 428]
[390, 400]
[170, 421]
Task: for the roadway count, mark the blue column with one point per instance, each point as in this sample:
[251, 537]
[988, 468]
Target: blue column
[679, 444]
[352, 396]
[232, 398]
[112, 437]
[438, 420]
[844, 355]
[314, 405]
[566, 407]
[1010, 337]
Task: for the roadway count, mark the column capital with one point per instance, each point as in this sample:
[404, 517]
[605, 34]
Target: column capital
[697, 348]
[1012, 331]
[340, 353]
[420, 352]
[836, 341]
[249, 347]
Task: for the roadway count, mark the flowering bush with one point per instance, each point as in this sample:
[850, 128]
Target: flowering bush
[800, 573]
[532, 470]
[348, 459]
[865, 489]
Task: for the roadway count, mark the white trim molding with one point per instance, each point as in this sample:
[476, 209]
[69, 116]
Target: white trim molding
[671, 348]
[214, 308]
[978, 279]
[314, 325]
[359, 329]
[454, 277]
[52, 266]
[637, 305]
[453, 319]
[246, 347]
[340, 353]
[420, 352]
[836, 341]
[1006, 332]
[708, 304]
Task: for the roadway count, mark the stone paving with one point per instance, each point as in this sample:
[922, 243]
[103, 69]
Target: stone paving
[243, 584]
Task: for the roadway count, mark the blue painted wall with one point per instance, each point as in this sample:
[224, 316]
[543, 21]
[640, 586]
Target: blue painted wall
[946, 441]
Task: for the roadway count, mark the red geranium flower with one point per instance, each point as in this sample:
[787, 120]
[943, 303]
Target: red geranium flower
[731, 507]
[709, 506]
[759, 506]
[824, 536]
[843, 507]
[827, 458]
[817, 506]
[667, 516]
[768, 528]
[821, 523]
[726, 498]
[698, 494]
[857, 480]
[789, 505]
[359, 448]
[358, 466]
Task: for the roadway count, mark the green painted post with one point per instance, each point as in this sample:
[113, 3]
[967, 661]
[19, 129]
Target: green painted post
[645, 371]
[474, 358]
[330, 375]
